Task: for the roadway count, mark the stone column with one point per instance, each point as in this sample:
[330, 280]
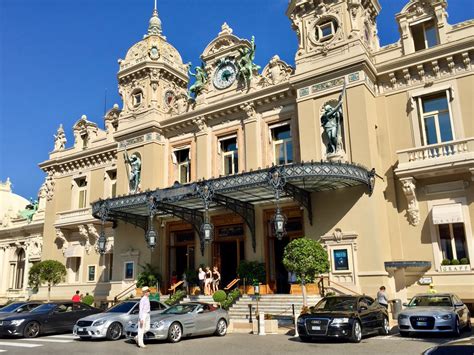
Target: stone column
[253, 138]
[2, 270]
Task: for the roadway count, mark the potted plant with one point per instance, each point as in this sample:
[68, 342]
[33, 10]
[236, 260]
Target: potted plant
[307, 259]
[253, 274]
[148, 277]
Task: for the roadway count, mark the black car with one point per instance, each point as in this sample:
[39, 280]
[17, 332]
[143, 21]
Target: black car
[458, 347]
[53, 317]
[17, 307]
[348, 317]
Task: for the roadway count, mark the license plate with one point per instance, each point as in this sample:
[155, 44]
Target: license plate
[423, 324]
[316, 327]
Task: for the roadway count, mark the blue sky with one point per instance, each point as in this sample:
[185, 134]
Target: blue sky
[58, 57]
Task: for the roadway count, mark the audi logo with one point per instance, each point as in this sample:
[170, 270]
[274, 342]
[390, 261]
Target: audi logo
[315, 322]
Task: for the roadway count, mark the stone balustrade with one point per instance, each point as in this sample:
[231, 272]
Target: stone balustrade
[80, 215]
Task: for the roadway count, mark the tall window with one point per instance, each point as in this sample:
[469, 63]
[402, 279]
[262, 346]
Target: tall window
[184, 165]
[282, 144]
[82, 192]
[453, 241]
[20, 269]
[425, 35]
[73, 265]
[230, 156]
[436, 118]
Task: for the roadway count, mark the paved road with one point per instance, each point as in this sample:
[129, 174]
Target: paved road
[244, 344]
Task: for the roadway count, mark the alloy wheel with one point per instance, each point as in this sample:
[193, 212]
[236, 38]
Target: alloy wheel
[357, 332]
[115, 331]
[175, 333]
[31, 330]
[457, 328]
[386, 326]
[221, 327]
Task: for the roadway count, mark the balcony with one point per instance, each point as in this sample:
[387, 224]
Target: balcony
[437, 159]
[74, 217]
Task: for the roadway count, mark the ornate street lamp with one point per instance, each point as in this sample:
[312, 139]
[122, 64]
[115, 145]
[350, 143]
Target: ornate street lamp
[276, 179]
[207, 230]
[151, 235]
[279, 222]
[102, 242]
[103, 214]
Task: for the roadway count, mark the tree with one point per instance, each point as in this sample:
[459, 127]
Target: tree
[149, 276]
[50, 272]
[307, 259]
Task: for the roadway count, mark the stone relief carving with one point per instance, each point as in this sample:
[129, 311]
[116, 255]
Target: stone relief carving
[332, 123]
[413, 210]
[200, 123]
[112, 119]
[61, 240]
[49, 187]
[60, 139]
[84, 132]
[93, 236]
[34, 247]
[85, 236]
[276, 71]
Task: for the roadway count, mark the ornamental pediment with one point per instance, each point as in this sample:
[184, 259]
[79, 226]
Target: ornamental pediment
[223, 44]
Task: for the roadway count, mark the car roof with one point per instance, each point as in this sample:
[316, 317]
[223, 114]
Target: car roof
[435, 294]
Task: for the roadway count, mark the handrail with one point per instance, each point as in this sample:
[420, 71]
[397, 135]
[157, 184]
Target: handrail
[124, 292]
[231, 284]
[174, 286]
[338, 285]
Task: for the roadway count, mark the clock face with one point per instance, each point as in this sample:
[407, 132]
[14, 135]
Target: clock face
[225, 75]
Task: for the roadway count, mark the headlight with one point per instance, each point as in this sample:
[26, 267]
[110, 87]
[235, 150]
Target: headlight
[158, 325]
[444, 316]
[129, 323]
[300, 320]
[17, 321]
[98, 322]
[402, 316]
[340, 320]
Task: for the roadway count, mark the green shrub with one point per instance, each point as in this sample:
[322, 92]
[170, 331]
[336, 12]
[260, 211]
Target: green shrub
[446, 262]
[464, 261]
[329, 294]
[455, 262]
[232, 296]
[174, 299]
[149, 276]
[219, 296]
[252, 271]
[88, 299]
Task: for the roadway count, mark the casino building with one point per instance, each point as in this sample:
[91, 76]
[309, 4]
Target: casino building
[367, 149]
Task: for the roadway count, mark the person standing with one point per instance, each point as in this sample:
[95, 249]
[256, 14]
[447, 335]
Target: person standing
[201, 277]
[432, 290]
[216, 279]
[208, 281]
[143, 316]
[382, 298]
[77, 297]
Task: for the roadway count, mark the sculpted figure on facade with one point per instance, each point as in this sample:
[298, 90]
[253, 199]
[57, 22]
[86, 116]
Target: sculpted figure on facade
[200, 83]
[245, 65]
[180, 104]
[331, 121]
[276, 71]
[34, 247]
[60, 139]
[61, 239]
[49, 187]
[413, 210]
[134, 169]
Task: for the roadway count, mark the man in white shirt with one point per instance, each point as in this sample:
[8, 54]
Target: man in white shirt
[143, 316]
[201, 277]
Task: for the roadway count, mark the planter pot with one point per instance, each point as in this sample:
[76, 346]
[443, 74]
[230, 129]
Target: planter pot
[271, 326]
[249, 290]
[455, 268]
[311, 289]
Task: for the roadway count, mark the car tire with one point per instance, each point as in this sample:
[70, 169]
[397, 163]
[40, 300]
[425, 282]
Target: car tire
[114, 331]
[221, 328]
[175, 332]
[404, 334]
[356, 335]
[305, 339]
[385, 330]
[31, 330]
[457, 328]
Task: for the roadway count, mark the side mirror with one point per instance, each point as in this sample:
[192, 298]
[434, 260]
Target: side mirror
[459, 304]
[199, 311]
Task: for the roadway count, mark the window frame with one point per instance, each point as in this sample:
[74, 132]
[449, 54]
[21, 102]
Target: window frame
[125, 270]
[423, 115]
[179, 164]
[234, 154]
[135, 95]
[452, 241]
[81, 190]
[283, 141]
[422, 26]
[88, 272]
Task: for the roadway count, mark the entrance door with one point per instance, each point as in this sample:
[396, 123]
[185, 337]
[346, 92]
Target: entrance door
[281, 274]
[181, 252]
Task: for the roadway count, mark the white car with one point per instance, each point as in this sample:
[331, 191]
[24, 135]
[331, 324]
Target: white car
[110, 324]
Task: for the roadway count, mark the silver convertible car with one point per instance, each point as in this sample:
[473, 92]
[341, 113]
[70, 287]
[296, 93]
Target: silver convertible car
[184, 320]
[434, 313]
[110, 324]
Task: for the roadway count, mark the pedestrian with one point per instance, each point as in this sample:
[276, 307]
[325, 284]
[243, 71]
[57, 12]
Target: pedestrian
[143, 316]
[382, 298]
[77, 297]
[216, 279]
[201, 277]
[208, 281]
[174, 278]
[432, 289]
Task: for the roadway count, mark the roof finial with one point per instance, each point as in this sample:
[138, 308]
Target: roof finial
[154, 26]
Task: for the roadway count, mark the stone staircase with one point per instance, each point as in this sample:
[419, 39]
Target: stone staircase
[198, 298]
[278, 305]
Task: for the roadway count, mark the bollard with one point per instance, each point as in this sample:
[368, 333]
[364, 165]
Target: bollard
[261, 323]
[250, 313]
[295, 320]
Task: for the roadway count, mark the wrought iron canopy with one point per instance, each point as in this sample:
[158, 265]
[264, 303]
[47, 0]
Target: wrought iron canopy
[238, 193]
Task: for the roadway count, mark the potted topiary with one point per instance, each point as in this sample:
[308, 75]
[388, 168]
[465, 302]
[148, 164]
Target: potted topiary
[464, 261]
[446, 262]
[148, 277]
[455, 262]
[252, 273]
[219, 297]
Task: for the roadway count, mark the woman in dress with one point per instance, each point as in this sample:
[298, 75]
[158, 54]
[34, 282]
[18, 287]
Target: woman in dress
[208, 281]
[216, 279]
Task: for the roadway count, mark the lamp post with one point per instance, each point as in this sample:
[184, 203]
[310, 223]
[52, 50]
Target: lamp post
[151, 234]
[276, 179]
[207, 228]
[103, 214]
[102, 242]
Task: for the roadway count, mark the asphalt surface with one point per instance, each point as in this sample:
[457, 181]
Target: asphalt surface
[230, 344]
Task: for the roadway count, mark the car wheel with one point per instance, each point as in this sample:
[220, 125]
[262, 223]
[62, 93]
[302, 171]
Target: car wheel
[404, 334]
[114, 331]
[457, 328]
[356, 336]
[175, 333]
[221, 328]
[305, 339]
[385, 327]
[32, 330]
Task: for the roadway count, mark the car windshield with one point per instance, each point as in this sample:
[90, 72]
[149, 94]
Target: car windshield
[45, 307]
[123, 307]
[337, 304]
[11, 307]
[180, 309]
[430, 301]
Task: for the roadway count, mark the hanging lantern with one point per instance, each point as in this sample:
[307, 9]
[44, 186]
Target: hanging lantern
[279, 222]
[102, 242]
[207, 231]
[151, 235]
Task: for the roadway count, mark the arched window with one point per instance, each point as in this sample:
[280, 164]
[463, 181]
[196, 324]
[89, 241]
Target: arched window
[20, 268]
